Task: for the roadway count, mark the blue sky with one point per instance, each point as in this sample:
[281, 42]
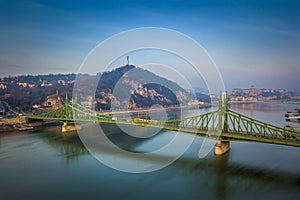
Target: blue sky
[252, 42]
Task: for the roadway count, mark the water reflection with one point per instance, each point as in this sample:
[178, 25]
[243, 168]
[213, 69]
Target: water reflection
[216, 169]
[44, 161]
[258, 106]
[70, 146]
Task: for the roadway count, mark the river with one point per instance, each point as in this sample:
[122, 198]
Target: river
[43, 164]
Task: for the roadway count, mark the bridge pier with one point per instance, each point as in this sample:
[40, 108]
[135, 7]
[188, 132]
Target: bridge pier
[68, 127]
[222, 147]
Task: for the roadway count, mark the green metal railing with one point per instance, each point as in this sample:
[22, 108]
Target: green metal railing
[222, 124]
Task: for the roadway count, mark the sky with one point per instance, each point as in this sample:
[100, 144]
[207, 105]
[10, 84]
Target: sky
[252, 42]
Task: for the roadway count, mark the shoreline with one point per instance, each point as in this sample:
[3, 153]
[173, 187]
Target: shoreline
[35, 126]
[264, 102]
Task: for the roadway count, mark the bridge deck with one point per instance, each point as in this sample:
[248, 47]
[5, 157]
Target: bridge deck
[222, 124]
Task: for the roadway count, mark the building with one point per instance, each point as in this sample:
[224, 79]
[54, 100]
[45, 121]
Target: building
[254, 94]
[46, 84]
[53, 101]
[3, 86]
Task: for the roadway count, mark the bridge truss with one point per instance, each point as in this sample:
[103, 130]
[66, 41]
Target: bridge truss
[223, 124]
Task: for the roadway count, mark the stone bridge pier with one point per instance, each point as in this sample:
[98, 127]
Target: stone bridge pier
[68, 127]
[222, 147]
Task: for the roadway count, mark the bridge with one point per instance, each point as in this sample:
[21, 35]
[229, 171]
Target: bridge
[223, 125]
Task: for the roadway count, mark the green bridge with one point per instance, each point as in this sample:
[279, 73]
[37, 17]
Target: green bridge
[223, 125]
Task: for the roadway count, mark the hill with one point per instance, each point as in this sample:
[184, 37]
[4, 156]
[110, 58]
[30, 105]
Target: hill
[132, 87]
[123, 87]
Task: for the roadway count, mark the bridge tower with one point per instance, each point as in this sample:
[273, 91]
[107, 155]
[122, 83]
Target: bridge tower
[67, 127]
[222, 146]
[66, 106]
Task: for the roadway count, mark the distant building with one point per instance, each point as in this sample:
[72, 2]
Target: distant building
[61, 82]
[2, 86]
[88, 102]
[53, 101]
[46, 84]
[254, 94]
[35, 106]
[23, 84]
[31, 85]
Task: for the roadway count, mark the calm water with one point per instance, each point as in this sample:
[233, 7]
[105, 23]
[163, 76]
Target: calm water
[45, 165]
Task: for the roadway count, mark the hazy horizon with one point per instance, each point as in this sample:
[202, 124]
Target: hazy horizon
[201, 89]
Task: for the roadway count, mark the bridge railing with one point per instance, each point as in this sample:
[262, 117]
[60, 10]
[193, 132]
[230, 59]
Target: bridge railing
[232, 125]
[204, 122]
[223, 123]
[242, 124]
